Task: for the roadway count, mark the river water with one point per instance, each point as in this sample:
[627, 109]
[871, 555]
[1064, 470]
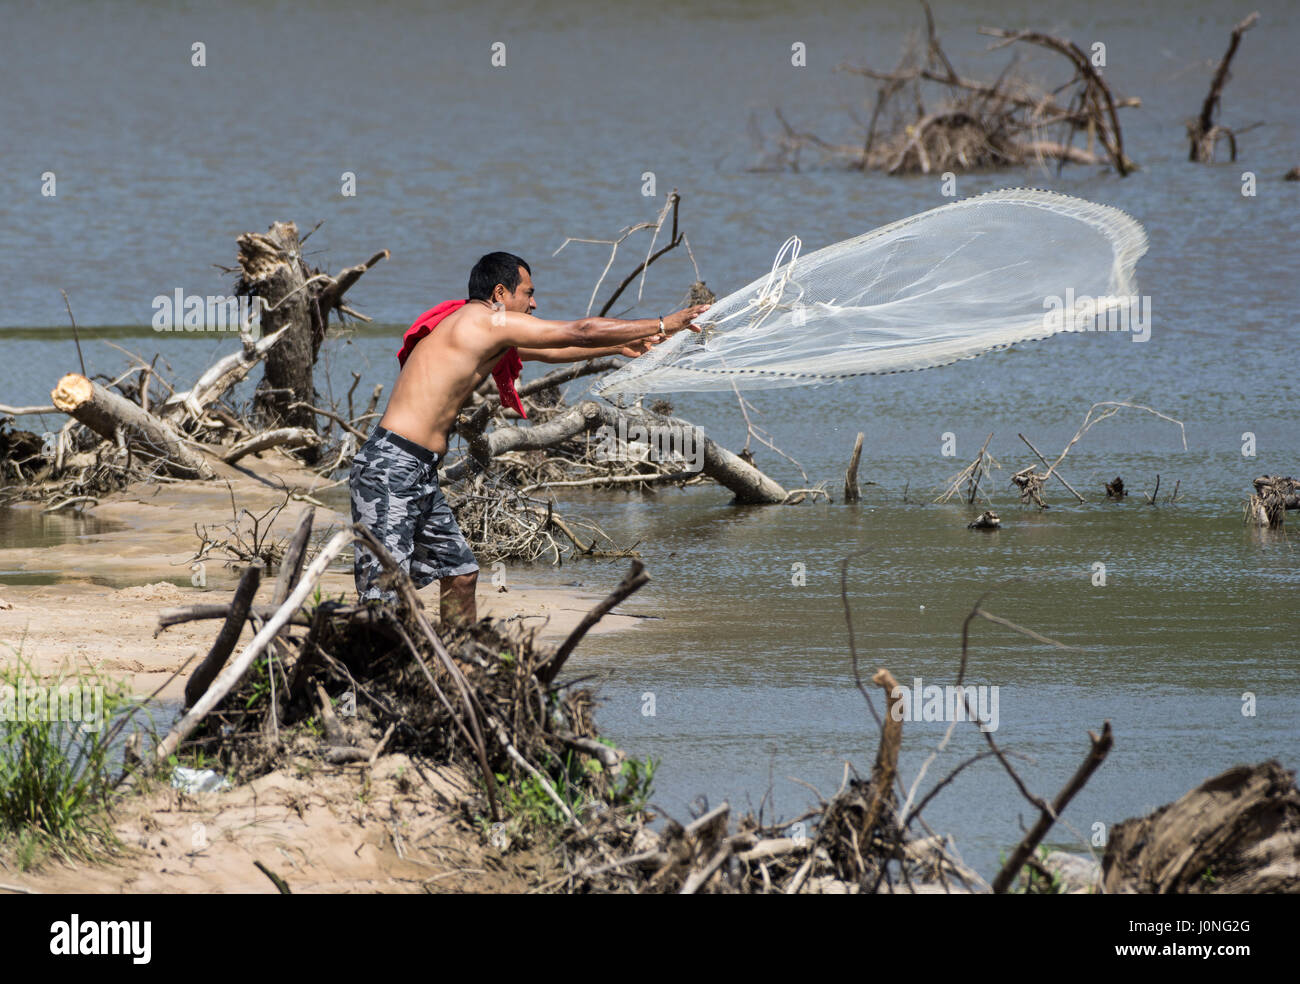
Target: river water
[159, 165]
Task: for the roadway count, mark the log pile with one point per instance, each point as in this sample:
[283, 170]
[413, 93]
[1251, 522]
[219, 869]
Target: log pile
[344, 683]
[498, 488]
[116, 433]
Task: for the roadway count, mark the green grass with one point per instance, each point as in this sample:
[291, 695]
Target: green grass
[1030, 882]
[55, 769]
[581, 782]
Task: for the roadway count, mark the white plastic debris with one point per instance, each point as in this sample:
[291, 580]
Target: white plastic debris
[198, 780]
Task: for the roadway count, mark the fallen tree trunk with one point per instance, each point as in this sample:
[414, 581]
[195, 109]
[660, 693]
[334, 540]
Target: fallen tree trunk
[109, 414]
[749, 484]
[1238, 833]
[283, 437]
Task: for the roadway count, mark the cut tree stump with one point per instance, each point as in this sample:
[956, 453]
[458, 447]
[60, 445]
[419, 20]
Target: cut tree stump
[299, 299]
[109, 414]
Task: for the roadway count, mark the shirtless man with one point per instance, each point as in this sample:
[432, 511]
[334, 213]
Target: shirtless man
[394, 477]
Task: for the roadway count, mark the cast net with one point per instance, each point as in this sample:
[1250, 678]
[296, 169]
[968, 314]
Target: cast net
[928, 290]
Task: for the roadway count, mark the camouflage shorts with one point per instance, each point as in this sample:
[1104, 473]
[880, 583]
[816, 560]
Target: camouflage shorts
[395, 492]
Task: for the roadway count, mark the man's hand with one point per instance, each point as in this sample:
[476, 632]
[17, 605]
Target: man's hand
[641, 346]
[678, 320]
[673, 323]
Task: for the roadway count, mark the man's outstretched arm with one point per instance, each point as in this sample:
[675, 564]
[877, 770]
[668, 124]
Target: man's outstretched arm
[573, 353]
[588, 338]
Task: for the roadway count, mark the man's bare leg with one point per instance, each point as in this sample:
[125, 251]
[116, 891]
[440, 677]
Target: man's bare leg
[456, 602]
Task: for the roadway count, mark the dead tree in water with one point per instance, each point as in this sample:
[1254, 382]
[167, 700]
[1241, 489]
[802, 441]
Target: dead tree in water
[272, 267]
[1273, 496]
[1203, 133]
[976, 125]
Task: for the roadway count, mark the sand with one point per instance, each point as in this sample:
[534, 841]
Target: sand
[391, 828]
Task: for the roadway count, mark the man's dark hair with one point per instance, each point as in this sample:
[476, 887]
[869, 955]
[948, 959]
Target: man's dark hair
[493, 269]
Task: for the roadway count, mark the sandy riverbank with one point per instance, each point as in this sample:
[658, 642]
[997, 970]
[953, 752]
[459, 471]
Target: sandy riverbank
[391, 827]
[103, 611]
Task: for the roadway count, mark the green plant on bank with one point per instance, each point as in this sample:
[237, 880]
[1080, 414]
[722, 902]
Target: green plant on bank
[56, 765]
[581, 782]
[258, 681]
[1031, 882]
[193, 758]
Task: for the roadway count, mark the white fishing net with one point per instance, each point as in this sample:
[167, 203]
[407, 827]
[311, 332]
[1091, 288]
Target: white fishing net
[947, 284]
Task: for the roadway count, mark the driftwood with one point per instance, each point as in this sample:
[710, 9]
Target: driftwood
[972, 475]
[851, 492]
[632, 582]
[290, 571]
[1273, 496]
[236, 670]
[1203, 134]
[1048, 815]
[1097, 102]
[187, 408]
[747, 483]
[224, 644]
[281, 437]
[115, 418]
[1238, 833]
[291, 564]
[213, 610]
[977, 125]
